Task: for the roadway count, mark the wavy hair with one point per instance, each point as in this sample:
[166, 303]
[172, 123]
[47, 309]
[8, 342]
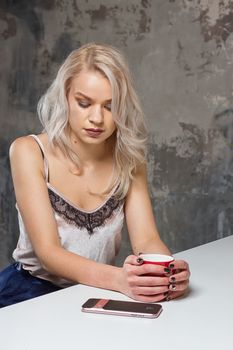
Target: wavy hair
[131, 133]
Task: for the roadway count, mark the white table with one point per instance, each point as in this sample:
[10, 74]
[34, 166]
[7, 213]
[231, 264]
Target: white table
[203, 320]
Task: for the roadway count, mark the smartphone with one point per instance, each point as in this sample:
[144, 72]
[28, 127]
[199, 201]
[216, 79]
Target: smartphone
[122, 308]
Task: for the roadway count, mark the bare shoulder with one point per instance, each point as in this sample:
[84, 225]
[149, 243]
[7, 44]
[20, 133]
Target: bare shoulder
[25, 152]
[22, 144]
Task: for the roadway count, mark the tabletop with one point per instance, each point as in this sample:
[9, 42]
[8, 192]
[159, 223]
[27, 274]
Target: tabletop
[202, 320]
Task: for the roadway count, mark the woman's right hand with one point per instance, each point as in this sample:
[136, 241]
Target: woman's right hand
[136, 283]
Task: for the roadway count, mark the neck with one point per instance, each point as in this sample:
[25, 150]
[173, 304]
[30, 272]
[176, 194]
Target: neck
[89, 154]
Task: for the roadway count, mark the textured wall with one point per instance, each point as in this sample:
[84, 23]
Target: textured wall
[181, 54]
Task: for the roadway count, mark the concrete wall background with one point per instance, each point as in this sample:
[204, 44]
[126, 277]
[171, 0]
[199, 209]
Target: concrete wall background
[181, 55]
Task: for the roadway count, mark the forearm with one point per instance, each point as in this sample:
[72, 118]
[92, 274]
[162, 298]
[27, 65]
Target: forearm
[73, 267]
[151, 246]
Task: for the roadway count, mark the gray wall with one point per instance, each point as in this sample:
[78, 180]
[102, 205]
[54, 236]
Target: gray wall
[181, 54]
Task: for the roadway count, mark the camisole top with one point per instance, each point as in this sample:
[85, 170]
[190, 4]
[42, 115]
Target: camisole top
[95, 234]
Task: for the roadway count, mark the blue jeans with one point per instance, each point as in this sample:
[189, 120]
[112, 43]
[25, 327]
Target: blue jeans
[17, 284]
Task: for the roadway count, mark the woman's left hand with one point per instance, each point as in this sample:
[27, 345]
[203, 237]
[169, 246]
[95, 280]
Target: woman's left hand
[179, 279]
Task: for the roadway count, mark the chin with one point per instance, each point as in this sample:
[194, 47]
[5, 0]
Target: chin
[95, 141]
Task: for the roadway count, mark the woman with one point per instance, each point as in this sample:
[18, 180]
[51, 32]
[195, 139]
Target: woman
[77, 181]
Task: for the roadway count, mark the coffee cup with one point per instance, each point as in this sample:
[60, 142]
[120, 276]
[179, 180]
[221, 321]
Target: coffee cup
[157, 259]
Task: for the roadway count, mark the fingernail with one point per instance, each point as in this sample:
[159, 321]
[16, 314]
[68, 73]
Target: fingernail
[165, 294]
[171, 266]
[167, 270]
[168, 298]
[140, 260]
[172, 287]
[172, 279]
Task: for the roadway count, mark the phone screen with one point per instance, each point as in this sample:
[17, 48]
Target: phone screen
[129, 306]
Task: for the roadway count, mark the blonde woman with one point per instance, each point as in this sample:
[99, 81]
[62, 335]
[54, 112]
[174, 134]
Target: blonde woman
[78, 180]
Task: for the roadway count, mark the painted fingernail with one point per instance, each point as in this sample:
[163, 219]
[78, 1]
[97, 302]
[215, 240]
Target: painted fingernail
[140, 260]
[165, 294]
[172, 287]
[167, 270]
[172, 279]
[168, 298]
[171, 266]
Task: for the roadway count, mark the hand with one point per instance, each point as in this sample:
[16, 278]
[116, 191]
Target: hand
[136, 283]
[179, 280]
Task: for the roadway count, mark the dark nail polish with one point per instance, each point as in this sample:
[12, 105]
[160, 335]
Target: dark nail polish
[168, 298]
[172, 287]
[173, 279]
[140, 260]
[171, 266]
[165, 294]
[167, 270]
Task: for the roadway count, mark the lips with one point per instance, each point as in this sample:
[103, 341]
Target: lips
[93, 132]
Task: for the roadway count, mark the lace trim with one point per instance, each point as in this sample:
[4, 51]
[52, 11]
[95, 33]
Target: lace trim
[81, 219]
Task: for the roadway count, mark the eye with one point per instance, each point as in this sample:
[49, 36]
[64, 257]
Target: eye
[83, 104]
[108, 107]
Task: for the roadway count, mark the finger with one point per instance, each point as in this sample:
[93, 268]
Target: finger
[179, 265]
[154, 270]
[151, 281]
[133, 260]
[176, 294]
[179, 286]
[150, 290]
[145, 269]
[180, 276]
[149, 298]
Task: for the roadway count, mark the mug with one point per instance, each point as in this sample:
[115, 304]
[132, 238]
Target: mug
[157, 259]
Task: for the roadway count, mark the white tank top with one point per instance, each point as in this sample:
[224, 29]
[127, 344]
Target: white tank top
[95, 234]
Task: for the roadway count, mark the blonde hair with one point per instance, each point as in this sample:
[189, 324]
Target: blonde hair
[131, 135]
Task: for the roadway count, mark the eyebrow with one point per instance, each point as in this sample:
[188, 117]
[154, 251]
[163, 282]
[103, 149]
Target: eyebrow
[89, 98]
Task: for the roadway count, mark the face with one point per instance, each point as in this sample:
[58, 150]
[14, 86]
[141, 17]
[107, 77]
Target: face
[89, 101]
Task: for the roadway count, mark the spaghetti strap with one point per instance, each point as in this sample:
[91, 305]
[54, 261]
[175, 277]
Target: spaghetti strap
[46, 164]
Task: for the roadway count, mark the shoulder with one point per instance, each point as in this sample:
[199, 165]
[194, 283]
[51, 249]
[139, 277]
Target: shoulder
[25, 151]
[23, 145]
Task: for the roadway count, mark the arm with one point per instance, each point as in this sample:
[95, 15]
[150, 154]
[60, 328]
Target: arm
[140, 220]
[35, 208]
[34, 205]
[145, 238]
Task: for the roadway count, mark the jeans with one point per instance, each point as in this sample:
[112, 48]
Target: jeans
[17, 284]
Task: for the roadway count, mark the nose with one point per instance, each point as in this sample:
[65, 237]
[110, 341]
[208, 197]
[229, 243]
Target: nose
[96, 115]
